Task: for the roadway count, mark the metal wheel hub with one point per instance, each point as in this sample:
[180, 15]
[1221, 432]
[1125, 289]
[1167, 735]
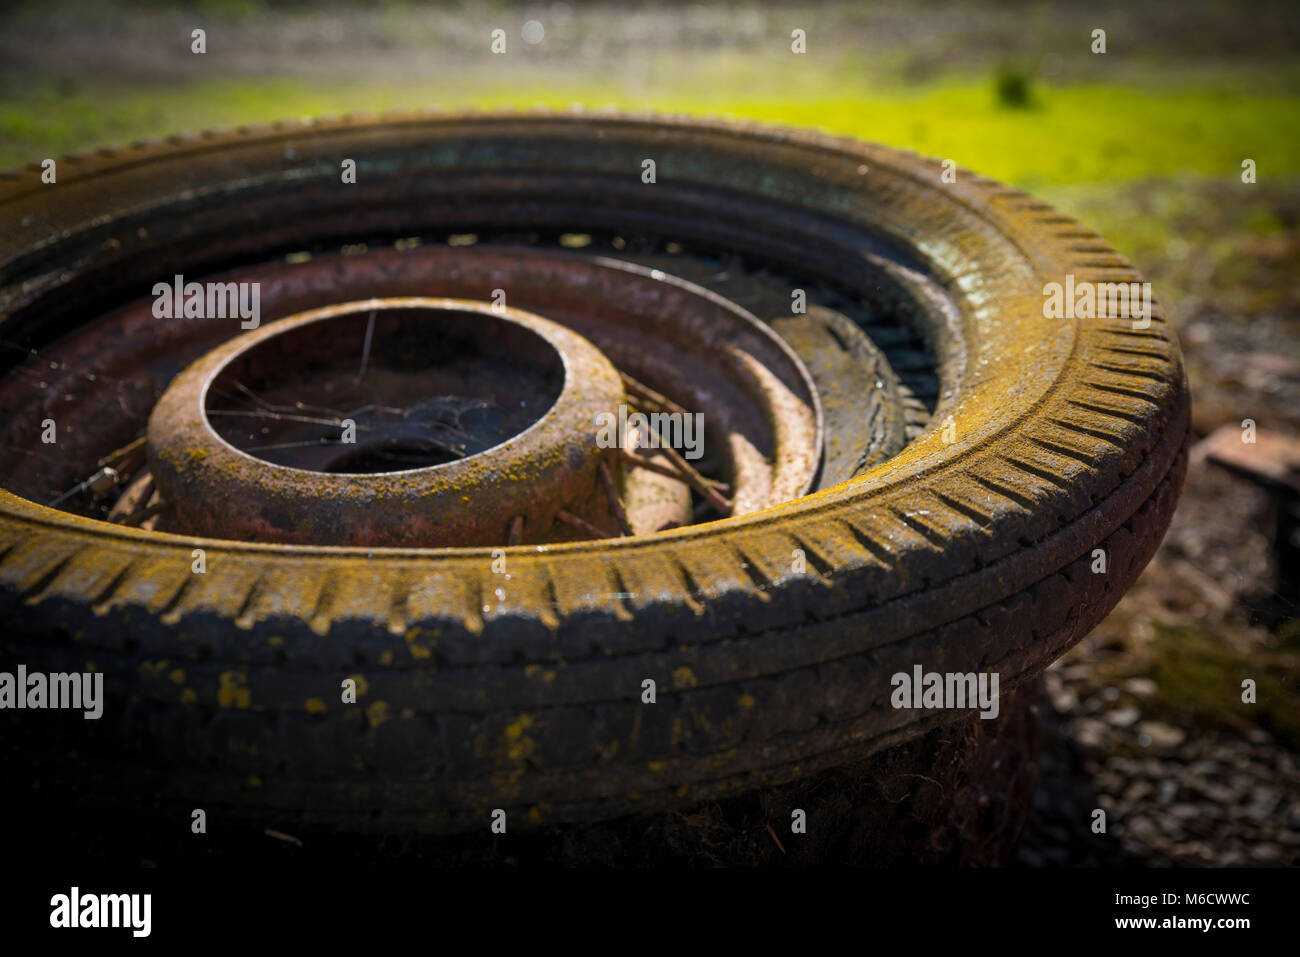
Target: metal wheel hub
[496, 402]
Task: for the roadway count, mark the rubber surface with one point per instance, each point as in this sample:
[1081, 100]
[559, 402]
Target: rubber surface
[523, 690]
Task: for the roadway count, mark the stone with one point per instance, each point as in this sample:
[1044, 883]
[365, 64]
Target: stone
[1266, 853]
[1122, 717]
[1137, 791]
[1163, 736]
[1140, 687]
[1088, 732]
[1143, 829]
[1064, 700]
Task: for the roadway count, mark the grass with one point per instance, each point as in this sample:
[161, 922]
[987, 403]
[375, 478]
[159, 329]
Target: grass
[1198, 681]
[1202, 239]
[1059, 135]
[1154, 167]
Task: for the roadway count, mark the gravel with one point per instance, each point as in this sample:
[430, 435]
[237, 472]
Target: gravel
[1172, 796]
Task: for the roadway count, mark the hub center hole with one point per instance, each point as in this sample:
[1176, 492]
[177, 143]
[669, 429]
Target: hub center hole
[384, 388]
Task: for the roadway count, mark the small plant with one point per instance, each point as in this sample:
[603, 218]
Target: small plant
[1014, 86]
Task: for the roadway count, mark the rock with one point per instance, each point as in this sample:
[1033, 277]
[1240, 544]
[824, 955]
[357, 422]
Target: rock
[1262, 803]
[1126, 766]
[1273, 458]
[1202, 798]
[1138, 790]
[1140, 687]
[1265, 853]
[1072, 674]
[1143, 829]
[1220, 794]
[1064, 700]
[1092, 704]
[1122, 717]
[1271, 363]
[1172, 829]
[1088, 732]
[1242, 783]
[1107, 784]
[1163, 736]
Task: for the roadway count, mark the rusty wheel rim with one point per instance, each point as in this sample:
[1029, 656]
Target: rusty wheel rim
[664, 334]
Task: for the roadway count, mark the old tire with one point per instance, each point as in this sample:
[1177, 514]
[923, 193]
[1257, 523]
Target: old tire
[972, 549]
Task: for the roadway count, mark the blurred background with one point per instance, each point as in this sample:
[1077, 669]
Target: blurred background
[1144, 143]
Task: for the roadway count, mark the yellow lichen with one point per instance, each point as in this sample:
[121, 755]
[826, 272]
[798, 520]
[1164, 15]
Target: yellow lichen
[377, 713]
[519, 747]
[232, 692]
